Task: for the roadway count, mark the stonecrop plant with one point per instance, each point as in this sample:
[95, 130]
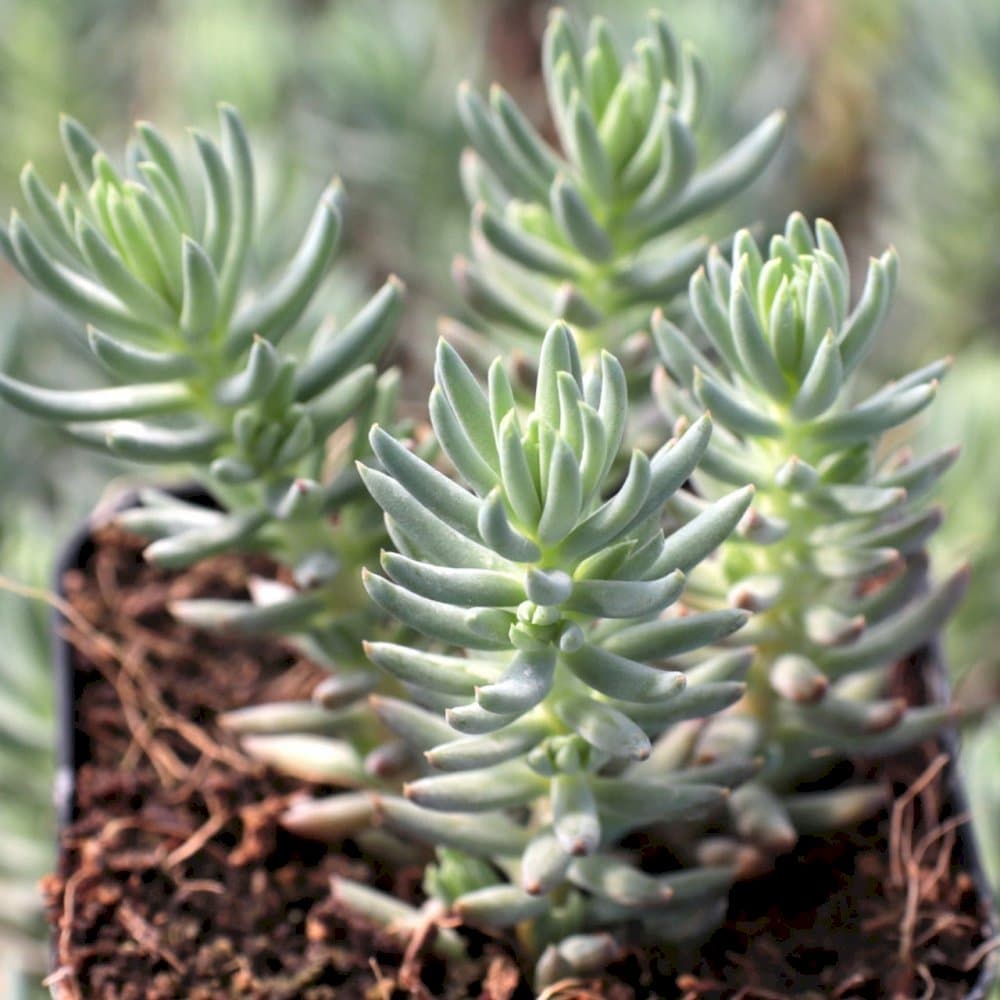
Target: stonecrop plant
[831, 557]
[544, 586]
[592, 233]
[579, 648]
[159, 269]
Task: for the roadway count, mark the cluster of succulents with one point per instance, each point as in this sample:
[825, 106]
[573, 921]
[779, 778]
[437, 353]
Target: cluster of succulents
[558, 657]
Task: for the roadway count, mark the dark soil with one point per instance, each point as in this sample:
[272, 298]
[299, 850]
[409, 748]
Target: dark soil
[176, 880]
[884, 911]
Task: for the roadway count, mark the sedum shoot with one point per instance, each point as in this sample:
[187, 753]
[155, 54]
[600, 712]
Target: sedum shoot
[555, 652]
[158, 273]
[209, 372]
[591, 234]
[831, 557]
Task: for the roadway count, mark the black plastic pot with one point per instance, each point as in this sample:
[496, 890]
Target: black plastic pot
[938, 686]
[73, 749]
[72, 746]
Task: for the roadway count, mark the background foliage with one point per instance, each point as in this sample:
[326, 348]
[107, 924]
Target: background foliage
[894, 137]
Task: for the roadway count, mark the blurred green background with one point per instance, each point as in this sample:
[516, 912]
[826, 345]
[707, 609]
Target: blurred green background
[895, 113]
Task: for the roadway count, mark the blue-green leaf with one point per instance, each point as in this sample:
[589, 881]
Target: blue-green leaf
[525, 682]
[445, 674]
[625, 598]
[361, 341]
[621, 677]
[273, 314]
[688, 545]
[439, 621]
[730, 173]
[435, 491]
[481, 835]
[495, 529]
[604, 727]
[577, 221]
[490, 748]
[499, 787]
[200, 308]
[575, 820]
[96, 404]
[443, 543]
[136, 363]
[669, 637]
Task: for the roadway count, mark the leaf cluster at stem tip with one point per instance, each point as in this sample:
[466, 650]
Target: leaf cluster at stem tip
[592, 234]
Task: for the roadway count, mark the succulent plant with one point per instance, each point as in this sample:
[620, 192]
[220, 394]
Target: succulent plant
[831, 556]
[557, 653]
[559, 679]
[160, 273]
[590, 235]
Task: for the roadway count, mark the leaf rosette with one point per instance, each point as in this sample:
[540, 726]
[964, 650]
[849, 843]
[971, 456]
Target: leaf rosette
[158, 267]
[831, 556]
[558, 653]
[592, 233]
